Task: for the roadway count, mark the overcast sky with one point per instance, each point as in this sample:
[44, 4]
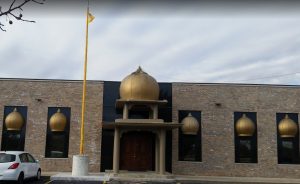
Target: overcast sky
[206, 42]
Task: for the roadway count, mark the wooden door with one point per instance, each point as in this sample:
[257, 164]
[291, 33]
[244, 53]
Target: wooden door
[136, 151]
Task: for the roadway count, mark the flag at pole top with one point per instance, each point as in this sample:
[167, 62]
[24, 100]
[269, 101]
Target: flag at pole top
[90, 17]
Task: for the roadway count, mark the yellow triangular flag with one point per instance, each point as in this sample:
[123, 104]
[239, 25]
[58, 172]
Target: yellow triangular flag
[90, 17]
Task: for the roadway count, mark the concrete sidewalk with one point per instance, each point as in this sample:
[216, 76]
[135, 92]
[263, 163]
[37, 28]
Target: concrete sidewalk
[67, 176]
[49, 173]
[152, 177]
[233, 180]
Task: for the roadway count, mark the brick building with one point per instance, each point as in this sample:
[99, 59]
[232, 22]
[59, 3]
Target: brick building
[182, 128]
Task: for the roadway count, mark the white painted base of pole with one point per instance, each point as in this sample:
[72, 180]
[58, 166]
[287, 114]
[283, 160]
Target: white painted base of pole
[80, 165]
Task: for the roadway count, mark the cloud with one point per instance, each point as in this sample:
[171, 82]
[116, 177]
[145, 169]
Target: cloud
[184, 46]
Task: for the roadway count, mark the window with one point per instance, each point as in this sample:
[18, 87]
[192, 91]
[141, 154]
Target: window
[4, 158]
[14, 128]
[57, 141]
[23, 157]
[190, 143]
[245, 135]
[30, 158]
[287, 138]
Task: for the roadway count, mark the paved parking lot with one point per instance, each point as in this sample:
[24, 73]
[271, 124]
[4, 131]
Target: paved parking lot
[75, 182]
[44, 179]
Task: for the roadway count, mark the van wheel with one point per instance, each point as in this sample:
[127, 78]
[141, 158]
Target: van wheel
[38, 175]
[21, 178]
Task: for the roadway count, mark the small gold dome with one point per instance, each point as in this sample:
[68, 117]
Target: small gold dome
[245, 126]
[58, 122]
[14, 120]
[139, 86]
[190, 125]
[287, 127]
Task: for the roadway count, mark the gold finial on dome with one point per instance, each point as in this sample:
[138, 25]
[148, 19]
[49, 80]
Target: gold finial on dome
[190, 125]
[244, 126]
[139, 86]
[58, 122]
[287, 127]
[139, 70]
[14, 121]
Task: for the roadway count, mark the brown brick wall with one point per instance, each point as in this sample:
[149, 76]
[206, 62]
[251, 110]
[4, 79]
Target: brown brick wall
[56, 93]
[216, 124]
[218, 127]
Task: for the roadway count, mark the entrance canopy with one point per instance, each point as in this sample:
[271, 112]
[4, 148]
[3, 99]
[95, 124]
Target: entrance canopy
[141, 124]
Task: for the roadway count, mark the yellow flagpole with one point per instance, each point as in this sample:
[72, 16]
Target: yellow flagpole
[84, 85]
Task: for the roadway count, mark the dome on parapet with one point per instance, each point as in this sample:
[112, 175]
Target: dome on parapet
[287, 127]
[190, 125]
[14, 120]
[139, 86]
[58, 122]
[245, 126]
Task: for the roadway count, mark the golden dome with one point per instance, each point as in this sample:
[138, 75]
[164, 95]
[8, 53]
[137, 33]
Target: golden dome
[190, 125]
[58, 122]
[245, 126]
[139, 86]
[287, 127]
[14, 120]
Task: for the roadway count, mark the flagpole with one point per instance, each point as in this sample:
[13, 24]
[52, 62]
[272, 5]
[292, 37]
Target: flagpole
[84, 85]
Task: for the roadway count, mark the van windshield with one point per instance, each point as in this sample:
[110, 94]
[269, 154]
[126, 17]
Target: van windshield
[4, 158]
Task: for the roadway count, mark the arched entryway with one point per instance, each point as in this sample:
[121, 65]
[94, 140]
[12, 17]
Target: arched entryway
[138, 151]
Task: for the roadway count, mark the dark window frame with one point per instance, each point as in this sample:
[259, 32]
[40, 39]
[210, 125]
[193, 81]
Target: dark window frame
[294, 156]
[185, 141]
[64, 136]
[6, 142]
[238, 141]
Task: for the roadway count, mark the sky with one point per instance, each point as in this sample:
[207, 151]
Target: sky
[173, 41]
